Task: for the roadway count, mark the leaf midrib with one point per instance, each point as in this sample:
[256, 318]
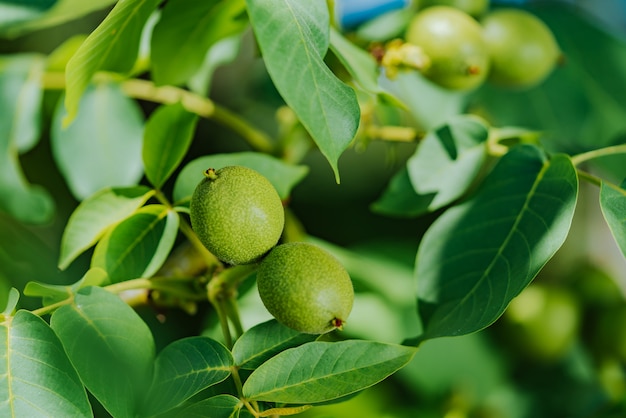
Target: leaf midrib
[522, 213]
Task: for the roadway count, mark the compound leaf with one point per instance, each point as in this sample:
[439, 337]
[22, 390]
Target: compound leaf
[137, 246]
[482, 253]
[184, 368]
[265, 340]
[109, 345]
[36, 377]
[294, 37]
[322, 371]
[95, 215]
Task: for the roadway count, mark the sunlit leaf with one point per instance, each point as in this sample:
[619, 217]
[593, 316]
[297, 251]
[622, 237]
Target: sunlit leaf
[137, 246]
[482, 253]
[613, 204]
[112, 46]
[95, 215]
[36, 377]
[265, 340]
[167, 137]
[294, 36]
[184, 368]
[110, 346]
[20, 124]
[185, 33]
[448, 160]
[283, 176]
[102, 148]
[323, 371]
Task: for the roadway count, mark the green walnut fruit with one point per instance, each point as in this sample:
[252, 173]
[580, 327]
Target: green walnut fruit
[305, 288]
[237, 214]
[453, 41]
[471, 7]
[522, 48]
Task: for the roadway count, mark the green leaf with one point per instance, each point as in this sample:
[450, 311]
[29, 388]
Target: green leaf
[20, 125]
[108, 128]
[293, 36]
[220, 406]
[184, 368]
[36, 377]
[185, 33]
[429, 105]
[12, 299]
[613, 205]
[400, 199]
[112, 46]
[17, 19]
[480, 254]
[110, 346]
[52, 293]
[323, 371]
[359, 63]
[95, 215]
[167, 137]
[265, 340]
[137, 246]
[282, 175]
[448, 160]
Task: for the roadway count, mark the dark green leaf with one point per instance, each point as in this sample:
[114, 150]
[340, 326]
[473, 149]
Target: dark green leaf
[110, 346]
[184, 368]
[265, 340]
[20, 113]
[186, 31]
[613, 204]
[17, 19]
[293, 36]
[95, 215]
[167, 137]
[323, 371]
[400, 198]
[283, 176]
[481, 254]
[220, 406]
[112, 46]
[137, 246]
[102, 148]
[448, 160]
[36, 377]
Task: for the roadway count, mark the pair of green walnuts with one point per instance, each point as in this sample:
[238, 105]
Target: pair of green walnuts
[509, 47]
[238, 216]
